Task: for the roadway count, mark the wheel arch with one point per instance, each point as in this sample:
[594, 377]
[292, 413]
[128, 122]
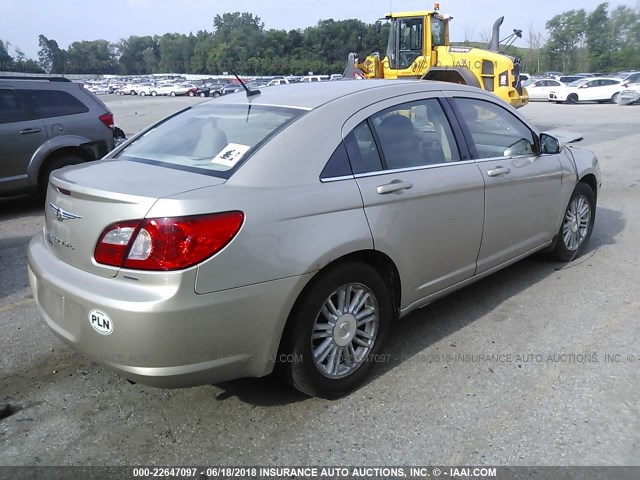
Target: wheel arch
[54, 148]
[381, 262]
[590, 179]
[460, 75]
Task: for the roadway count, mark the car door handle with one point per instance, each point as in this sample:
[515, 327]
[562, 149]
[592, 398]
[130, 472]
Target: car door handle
[27, 131]
[394, 186]
[499, 170]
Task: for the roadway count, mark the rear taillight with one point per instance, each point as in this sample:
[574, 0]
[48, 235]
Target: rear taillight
[107, 119]
[166, 243]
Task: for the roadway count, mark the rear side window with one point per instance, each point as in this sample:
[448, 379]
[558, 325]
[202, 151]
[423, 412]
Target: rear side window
[415, 134]
[210, 139]
[338, 164]
[53, 103]
[11, 108]
[362, 150]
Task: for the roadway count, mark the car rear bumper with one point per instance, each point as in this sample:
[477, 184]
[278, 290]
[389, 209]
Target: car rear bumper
[164, 335]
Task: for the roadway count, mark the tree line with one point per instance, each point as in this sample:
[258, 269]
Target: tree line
[574, 40]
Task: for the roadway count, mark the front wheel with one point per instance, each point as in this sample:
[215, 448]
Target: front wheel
[153, 94]
[173, 94]
[203, 94]
[142, 94]
[216, 94]
[191, 94]
[614, 97]
[336, 331]
[573, 98]
[577, 224]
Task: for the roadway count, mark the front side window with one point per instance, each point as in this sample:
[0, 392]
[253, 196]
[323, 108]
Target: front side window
[495, 131]
[405, 35]
[53, 103]
[415, 134]
[211, 139]
[410, 41]
[11, 109]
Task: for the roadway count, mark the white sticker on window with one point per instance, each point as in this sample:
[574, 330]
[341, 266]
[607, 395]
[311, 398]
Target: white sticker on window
[231, 154]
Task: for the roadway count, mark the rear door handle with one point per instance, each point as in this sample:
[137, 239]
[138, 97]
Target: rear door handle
[27, 131]
[499, 170]
[394, 186]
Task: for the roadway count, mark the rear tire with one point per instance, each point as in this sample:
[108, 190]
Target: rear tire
[191, 94]
[54, 164]
[327, 347]
[173, 94]
[216, 94]
[575, 230]
[154, 93]
[573, 98]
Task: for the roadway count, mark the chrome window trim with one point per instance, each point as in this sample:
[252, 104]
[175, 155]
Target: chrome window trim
[336, 179]
[412, 169]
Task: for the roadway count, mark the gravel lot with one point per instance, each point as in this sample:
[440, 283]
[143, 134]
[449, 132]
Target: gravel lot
[571, 399]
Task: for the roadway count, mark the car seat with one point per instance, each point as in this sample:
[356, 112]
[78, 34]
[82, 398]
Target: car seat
[399, 142]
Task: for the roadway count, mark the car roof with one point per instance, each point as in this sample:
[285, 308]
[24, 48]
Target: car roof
[312, 95]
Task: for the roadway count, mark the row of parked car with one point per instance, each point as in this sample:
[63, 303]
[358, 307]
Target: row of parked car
[584, 88]
[180, 87]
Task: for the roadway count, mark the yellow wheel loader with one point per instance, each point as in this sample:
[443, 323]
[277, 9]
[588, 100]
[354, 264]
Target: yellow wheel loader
[419, 48]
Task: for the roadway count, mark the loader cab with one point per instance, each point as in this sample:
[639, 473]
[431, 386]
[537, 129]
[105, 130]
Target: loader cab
[413, 36]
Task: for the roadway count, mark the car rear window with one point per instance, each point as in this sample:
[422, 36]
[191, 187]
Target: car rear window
[213, 139]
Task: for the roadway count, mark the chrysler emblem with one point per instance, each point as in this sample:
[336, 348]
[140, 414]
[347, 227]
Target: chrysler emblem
[61, 214]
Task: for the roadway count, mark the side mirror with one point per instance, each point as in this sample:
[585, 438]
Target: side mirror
[549, 144]
[378, 27]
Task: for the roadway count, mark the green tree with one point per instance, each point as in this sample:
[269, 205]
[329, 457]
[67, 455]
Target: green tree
[51, 57]
[599, 38]
[6, 60]
[138, 55]
[96, 56]
[566, 38]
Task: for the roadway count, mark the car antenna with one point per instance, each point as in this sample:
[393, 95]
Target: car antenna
[250, 93]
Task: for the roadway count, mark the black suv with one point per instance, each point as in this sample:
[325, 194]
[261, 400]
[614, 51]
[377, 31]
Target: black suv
[48, 123]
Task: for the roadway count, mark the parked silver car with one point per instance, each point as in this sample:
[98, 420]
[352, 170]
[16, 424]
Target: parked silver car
[292, 228]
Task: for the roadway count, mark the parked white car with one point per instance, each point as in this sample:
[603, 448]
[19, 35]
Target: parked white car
[278, 81]
[145, 89]
[315, 78]
[597, 89]
[171, 89]
[128, 89]
[541, 88]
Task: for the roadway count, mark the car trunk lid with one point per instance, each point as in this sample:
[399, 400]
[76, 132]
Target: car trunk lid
[83, 200]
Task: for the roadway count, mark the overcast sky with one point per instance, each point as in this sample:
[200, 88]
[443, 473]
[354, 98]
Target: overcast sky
[67, 21]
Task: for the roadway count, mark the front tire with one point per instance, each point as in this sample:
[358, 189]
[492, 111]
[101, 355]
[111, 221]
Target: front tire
[614, 97]
[142, 94]
[336, 331]
[154, 93]
[577, 224]
[573, 98]
[173, 94]
[191, 94]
